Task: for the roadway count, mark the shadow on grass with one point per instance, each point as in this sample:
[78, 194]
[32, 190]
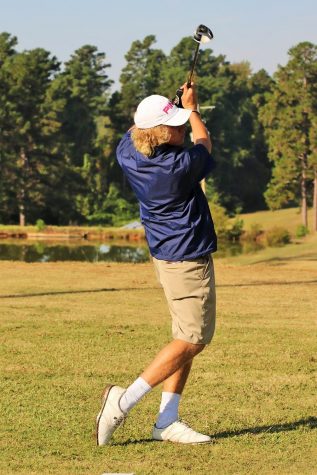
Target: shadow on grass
[310, 423]
[69, 292]
[259, 284]
[281, 260]
[88, 291]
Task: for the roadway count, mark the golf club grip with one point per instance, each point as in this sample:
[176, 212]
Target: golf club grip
[178, 98]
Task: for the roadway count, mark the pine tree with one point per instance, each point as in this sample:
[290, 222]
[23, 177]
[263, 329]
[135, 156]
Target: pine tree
[289, 118]
[140, 78]
[83, 87]
[25, 79]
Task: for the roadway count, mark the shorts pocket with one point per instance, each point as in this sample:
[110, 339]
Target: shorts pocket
[203, 267]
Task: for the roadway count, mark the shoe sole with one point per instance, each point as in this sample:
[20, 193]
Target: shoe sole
[104, 398]
[184, 443]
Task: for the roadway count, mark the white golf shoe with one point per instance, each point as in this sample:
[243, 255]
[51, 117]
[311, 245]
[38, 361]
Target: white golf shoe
[180, 432]
[110, 416]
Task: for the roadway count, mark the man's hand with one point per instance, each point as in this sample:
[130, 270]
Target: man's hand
[189, 97]
[190, 101]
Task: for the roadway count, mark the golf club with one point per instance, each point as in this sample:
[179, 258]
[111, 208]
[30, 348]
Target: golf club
[202, 35]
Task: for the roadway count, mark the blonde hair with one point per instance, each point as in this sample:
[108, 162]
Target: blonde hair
[145, 140]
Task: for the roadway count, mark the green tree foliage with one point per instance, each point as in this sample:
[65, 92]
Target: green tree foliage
[229, 98]
[54, 158]
[114, 210]
[84, 83]
[59, 129]
[7, 195]
[26, 129]
[83, 89]
[239, 144]
[289, 117]
[253, 173]
[140, 77]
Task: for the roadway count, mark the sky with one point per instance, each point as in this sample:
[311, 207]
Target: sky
[257, 31]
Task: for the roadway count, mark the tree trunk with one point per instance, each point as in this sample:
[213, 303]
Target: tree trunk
[304, 191]
[21, 214]
[21, 193]
[304, 160]
[315, 199]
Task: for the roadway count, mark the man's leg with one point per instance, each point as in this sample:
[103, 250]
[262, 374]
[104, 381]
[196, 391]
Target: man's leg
[168, 361]
[170, 365]
[171, 395]
[176, 382]
[189, 289]
[168, 425]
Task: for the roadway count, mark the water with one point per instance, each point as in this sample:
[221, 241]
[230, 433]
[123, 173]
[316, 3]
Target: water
[52, 251]
[40, 251]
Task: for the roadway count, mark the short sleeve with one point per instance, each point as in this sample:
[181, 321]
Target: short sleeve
[201, 162]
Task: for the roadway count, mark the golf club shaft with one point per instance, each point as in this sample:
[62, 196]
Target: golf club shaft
[201, 31]
[179, 92]
[189, 80]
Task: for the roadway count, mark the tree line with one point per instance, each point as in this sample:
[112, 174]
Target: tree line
[60, 125]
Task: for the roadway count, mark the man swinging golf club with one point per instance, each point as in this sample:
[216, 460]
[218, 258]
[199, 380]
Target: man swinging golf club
[165, 177]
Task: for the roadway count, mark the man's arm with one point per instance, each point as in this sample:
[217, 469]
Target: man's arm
[200, 133]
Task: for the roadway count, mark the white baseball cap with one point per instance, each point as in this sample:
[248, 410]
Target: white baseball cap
[158, 110]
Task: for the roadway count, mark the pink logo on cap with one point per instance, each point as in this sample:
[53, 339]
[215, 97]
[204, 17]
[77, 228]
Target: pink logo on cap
[168, 106]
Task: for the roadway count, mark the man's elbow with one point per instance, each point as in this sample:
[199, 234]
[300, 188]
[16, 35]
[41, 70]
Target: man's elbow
[205, 142]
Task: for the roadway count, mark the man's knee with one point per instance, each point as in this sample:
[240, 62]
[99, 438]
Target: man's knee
[195, 349]
[199, 348]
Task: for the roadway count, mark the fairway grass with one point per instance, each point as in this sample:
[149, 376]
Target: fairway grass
[67, 329]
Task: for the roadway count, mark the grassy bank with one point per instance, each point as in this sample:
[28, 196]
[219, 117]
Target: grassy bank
[92, 233]
[287, 218]
[68, 328]
[299, 250]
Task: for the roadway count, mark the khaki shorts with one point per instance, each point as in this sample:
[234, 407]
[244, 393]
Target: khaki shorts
[189, 288]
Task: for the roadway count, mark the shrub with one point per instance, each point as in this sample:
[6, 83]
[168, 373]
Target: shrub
[301, 231]
[234, 233]
[40, 225]
[219, 216]
[277, 236]
[253, 234]
[114, 211]
[225, 231]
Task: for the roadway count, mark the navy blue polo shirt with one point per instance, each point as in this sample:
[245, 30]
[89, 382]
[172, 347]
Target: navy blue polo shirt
[173, 208]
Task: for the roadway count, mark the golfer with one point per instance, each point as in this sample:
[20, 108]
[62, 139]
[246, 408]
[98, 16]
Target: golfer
[165, 177]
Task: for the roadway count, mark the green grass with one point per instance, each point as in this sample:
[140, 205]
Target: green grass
[304, 249]
[69, 328]
[286, 218]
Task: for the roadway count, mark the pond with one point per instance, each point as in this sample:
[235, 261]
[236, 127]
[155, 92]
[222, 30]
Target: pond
[52, 251]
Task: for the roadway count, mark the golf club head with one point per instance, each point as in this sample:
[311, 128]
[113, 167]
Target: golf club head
[203, 34]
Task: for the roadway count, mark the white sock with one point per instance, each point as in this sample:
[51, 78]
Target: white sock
[168, 410]
[133, 394]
